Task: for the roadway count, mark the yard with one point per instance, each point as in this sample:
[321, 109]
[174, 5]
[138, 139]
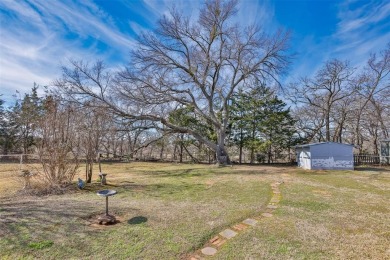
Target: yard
[170, 211]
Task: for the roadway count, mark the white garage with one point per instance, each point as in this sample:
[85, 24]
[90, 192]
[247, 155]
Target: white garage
[325, 156]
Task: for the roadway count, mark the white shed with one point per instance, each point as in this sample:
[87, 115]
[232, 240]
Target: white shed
[385, 152]
[325, 156]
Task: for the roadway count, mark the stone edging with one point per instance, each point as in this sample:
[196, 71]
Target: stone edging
[212, 246]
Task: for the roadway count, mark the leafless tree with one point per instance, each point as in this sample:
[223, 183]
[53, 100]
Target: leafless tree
[56, 146]
[330, 86]
[309, 124]
[92, 128]
[371, 86]
[186, 64]
[347, 105]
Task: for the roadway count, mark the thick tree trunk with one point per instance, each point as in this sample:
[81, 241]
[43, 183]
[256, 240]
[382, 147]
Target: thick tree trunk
[222, 156]
[220, 151]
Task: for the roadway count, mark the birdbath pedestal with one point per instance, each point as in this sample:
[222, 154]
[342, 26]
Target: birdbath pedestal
[106, 219]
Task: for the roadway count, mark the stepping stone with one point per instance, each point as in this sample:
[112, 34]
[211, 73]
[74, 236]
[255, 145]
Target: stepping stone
[228, 233]
[209, 251]
[250, 222]
[267, 215]
[272, 207]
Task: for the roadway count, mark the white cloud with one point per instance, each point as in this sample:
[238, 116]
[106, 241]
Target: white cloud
[36, 36]
[249, 11]
[260, 13]
[359, 32]
[35, 40]
[362, 30]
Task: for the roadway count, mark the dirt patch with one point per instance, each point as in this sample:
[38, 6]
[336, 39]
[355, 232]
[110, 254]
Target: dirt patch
[95, 221]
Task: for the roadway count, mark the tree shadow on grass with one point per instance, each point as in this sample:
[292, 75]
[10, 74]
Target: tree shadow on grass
[35, 219]
[137, 220]
[250, 170]
[121, 186]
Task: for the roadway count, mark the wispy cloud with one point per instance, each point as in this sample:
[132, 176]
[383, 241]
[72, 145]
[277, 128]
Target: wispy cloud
[249, 11]
[363, 28]
[260, 13]
[38, 36]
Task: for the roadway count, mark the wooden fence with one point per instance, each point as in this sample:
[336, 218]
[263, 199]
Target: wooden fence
[366, 159]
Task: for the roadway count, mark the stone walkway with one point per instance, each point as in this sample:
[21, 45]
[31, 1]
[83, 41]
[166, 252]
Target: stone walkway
[212, 246]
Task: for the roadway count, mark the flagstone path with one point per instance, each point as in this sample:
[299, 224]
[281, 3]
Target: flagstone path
[212, 246]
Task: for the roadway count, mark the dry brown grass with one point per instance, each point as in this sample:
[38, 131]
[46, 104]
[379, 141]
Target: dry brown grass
[10, 179]
[170, 210]
[181, 207]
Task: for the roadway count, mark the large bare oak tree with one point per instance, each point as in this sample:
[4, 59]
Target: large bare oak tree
[186, 64]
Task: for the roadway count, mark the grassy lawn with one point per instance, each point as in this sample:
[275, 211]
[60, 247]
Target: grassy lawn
[323, 215]
[167, 211]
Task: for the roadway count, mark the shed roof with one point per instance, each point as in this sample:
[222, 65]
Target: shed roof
[308, 145]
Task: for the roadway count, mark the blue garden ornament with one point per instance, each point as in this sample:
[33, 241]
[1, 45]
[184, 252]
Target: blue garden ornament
[81, 184]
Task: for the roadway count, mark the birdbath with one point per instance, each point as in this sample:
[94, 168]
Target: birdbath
[106, 219]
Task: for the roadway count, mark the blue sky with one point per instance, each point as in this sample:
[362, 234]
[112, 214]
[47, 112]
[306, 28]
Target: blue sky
[38, 36]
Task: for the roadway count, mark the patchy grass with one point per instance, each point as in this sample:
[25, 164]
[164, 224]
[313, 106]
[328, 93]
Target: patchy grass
[323, 215]
[166, 211]
[169, 210]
